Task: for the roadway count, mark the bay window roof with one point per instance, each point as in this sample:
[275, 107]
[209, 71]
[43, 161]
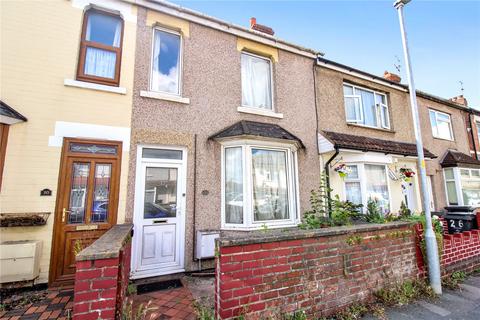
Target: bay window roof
[8, 115]
[362, 143]
[256, 129]
[458, 159]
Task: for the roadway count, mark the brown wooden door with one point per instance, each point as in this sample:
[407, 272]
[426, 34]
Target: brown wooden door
[87, 201]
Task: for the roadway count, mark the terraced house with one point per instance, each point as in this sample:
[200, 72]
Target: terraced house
[190, 127]
[65, 120]
[222, 139]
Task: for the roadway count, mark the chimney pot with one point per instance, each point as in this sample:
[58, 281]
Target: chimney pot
[460, 100]
[253, 21]
[259, 27]
[392, 77]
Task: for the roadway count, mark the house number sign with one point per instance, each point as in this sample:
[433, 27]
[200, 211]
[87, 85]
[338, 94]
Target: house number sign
[45, 192]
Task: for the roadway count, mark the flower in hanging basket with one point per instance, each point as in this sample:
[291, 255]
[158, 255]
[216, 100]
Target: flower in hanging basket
[406, 174]
[342, 170]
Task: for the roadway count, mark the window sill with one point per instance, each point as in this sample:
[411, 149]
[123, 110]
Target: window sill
[260, 112]
[443, 139]
[94, 86]
[368, 127]
[259, 227]
[163, 96]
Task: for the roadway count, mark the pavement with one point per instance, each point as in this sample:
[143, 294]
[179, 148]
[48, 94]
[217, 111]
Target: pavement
[461, 304]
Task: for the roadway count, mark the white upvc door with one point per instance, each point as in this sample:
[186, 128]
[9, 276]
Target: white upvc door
[159, 217]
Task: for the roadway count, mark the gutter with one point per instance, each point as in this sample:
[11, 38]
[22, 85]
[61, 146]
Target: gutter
[214, 23]
[327, 178]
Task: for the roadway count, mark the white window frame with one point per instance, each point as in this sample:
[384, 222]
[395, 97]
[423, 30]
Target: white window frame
[292, 185]
[180, 62]
[457, 178]
[362, 177]
[435, 132]
[272, 97]
[379, 107]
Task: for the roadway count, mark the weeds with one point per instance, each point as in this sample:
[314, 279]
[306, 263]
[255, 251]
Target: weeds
[452, 282]
[404, 293]
[128, 312]
[298, 315]
[204, 313]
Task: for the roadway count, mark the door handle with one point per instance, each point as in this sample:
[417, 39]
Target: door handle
[64, 213]
[160, 221]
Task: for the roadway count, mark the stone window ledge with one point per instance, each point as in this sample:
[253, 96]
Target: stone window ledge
[94, 86]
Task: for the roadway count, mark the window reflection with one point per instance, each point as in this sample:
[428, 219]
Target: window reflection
[160, 193]
[78, 192]
[101, 193]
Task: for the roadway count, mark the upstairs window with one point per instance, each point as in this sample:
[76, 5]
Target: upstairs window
[256, 81]
[100, 48]
[441, 125]
[166, 58]
[366, 107]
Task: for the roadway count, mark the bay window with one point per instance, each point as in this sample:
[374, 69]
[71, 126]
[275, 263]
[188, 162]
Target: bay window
[259, 185]
[441, 125]
[100, 48]
[462, 186]
[366, 107]
[256, 81]
[365, 182]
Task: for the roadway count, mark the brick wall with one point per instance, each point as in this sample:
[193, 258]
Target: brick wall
[317, 271]
[461, 251]
[101, 281]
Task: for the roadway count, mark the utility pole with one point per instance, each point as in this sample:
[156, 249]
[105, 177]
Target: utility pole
[430, 239]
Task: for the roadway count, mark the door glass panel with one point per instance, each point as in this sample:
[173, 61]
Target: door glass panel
[160, 193]
[101, 192]
[78, 192]
[93, 148]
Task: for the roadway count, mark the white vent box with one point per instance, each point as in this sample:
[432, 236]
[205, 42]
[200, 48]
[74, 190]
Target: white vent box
[206, 243]
[19, 260]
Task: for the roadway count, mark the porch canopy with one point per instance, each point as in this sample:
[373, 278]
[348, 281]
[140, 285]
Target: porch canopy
[252, 129]
[8, 115]
[329, 141]
[458, 159]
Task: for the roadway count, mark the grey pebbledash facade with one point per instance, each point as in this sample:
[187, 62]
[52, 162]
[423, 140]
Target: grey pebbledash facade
[203, 159]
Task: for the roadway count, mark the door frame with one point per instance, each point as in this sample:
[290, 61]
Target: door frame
[56, 258]
[139, 198]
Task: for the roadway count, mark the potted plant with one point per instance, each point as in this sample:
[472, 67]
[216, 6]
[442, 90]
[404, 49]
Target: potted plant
[342, 170]
[406, 174]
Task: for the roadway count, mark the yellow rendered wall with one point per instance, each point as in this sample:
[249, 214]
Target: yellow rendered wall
[38, 50]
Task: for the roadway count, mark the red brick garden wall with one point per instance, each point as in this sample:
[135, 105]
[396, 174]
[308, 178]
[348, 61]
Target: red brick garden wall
[461, 251]
[317, 271]
[101, 284]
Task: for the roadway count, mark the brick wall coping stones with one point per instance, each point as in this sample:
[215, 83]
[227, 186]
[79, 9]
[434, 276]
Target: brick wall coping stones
[273, 235]
[108, 245]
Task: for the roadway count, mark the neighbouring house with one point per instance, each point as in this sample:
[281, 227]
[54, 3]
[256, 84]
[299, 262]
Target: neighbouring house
[366, 138]
[67, 67]
[373, 140]
[454, 175]
[223, 136]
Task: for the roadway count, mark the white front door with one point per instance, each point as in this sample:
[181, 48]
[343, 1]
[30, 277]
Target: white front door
[159, 212]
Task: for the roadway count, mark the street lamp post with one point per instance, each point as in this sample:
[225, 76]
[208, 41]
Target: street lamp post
[430, 239]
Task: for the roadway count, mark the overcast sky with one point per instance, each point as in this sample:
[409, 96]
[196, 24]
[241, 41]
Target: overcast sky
[444, 36]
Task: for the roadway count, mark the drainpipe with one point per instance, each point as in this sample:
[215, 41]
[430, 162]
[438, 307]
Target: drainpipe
[471, 133]
[327, 178]
[194, 224]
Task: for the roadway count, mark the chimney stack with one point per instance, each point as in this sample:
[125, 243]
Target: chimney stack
[460, 100]
[392, 77]
[259, 27]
